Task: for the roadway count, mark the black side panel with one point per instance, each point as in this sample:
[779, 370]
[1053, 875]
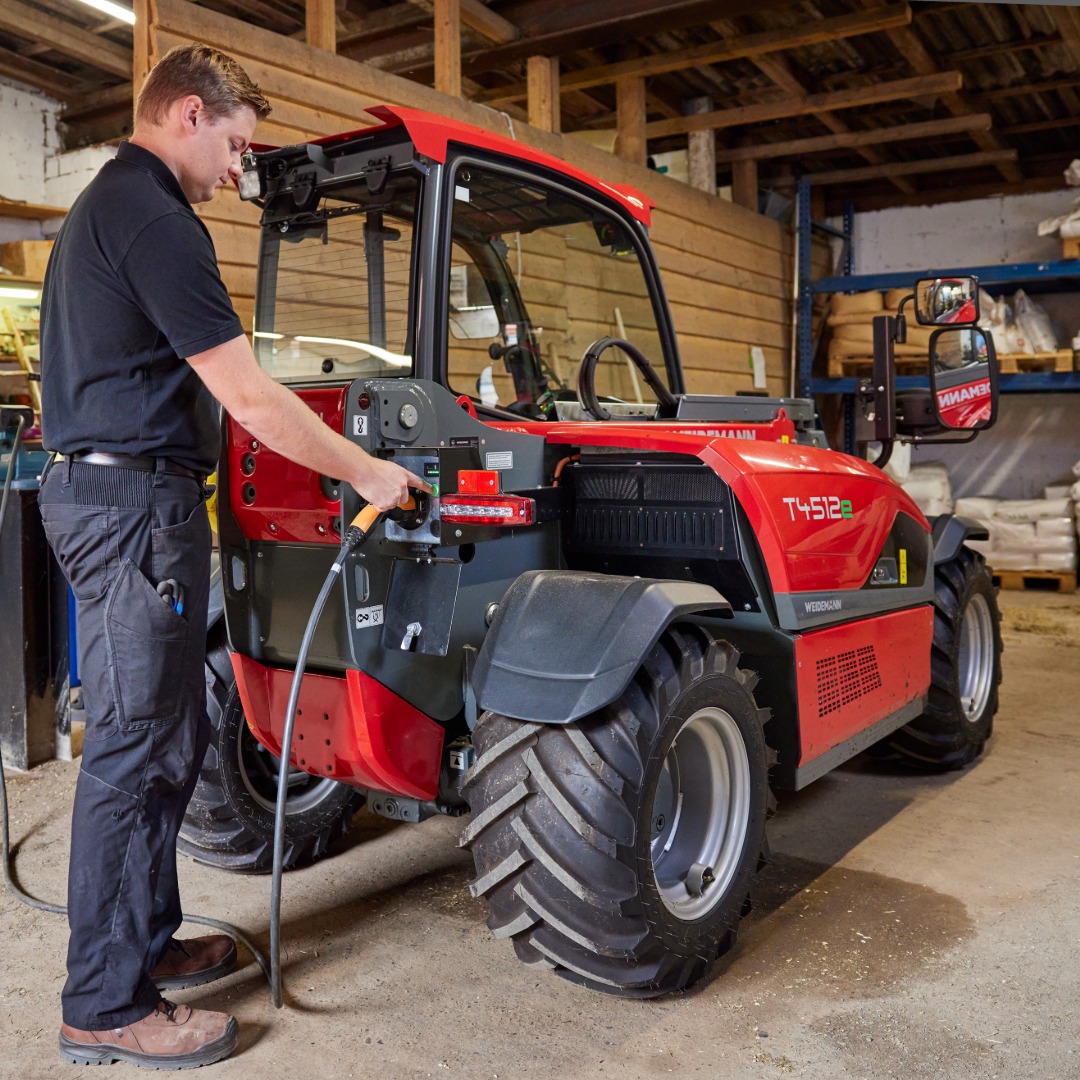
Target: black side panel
[564, 644]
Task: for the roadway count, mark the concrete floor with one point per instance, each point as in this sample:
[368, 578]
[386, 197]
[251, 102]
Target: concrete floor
[908, 927]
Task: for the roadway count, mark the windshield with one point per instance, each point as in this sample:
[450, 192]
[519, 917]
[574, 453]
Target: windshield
[333, 296]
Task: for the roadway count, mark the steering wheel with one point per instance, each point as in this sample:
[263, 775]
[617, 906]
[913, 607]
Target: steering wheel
[586, 380]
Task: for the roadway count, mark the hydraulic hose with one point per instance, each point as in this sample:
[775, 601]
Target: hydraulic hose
[356, 534]
[5, 838]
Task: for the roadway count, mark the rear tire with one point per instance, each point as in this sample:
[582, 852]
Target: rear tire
[229, 822]
[618, 850]
[965, 670]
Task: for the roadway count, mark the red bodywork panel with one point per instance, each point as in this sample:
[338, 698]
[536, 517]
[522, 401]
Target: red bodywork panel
[289, 502]
[793, 495]
[851, 676]
[352, 729]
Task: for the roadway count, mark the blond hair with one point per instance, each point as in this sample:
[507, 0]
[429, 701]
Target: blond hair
[222, 84]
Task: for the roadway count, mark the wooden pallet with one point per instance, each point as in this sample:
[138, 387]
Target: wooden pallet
[1059, 360]
[1048, 580]
[1070, 247]
[863, 366]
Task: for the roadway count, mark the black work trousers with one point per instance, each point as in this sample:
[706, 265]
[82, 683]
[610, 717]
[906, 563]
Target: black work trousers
[117, 533]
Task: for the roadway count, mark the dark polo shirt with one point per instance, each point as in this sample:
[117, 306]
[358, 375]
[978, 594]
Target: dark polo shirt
[131, 288]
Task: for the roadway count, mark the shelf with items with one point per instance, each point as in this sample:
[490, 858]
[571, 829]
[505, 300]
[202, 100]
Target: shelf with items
[1020, 373]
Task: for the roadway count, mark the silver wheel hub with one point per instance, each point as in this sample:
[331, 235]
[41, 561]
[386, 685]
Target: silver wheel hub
[975, 659]
[700, 814]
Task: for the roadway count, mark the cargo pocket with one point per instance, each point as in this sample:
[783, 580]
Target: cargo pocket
[147, 645]
[77, 536]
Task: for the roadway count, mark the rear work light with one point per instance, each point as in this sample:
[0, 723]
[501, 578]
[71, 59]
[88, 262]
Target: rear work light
[504, 510]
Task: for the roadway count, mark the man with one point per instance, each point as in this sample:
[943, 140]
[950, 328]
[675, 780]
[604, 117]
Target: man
[138, 340]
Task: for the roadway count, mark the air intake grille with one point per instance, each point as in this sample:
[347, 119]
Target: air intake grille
[646, 527]
[845, 678]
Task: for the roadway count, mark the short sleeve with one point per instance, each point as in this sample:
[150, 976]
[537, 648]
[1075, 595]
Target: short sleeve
[171, 270]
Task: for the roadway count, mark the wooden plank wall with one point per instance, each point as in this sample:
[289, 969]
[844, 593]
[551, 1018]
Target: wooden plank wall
[727, 270]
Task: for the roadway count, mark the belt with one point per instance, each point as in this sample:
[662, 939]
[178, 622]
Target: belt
[140, 463]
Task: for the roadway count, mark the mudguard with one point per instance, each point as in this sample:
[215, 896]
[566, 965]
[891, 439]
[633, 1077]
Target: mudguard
[949, 534]
[565, 643]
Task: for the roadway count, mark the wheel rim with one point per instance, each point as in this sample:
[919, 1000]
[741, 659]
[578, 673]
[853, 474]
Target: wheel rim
[975, 663]
[700, 812]
[259, 772]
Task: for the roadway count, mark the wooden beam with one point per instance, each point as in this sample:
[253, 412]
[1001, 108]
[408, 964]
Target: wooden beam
[385, 21]
[999, 48]
[1040, 125]
[744, 184]
[64, 37]
[921, 86]
[838, 198]
[321, 24]
[487, 23]
[779, 70]
[630, 99]
[927, 129]
[55, 83]
[448, 47]
[1026, 89]
[908, 43]
[544, 100]
[97, 102]
[722, 51]
[912, 168]
[701, 149]
[557, 29]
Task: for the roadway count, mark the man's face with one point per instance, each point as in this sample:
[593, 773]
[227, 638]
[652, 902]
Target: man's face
[212, 157]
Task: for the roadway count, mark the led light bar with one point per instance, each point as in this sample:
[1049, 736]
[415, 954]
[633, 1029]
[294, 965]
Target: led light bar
[499, 510]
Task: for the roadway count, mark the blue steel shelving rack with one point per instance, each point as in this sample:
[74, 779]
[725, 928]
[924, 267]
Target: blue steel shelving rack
[990, 278]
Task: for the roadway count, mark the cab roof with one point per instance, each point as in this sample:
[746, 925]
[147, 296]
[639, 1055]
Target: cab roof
[431, 134]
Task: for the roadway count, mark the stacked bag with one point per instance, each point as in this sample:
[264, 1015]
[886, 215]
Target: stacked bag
[1027, 534]
[851, 319]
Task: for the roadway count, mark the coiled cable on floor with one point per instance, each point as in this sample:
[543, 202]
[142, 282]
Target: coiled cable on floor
[5, 837]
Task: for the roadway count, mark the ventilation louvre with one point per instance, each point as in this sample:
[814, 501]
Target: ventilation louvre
[846, 677]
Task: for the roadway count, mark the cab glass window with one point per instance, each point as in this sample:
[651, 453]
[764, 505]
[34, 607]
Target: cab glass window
[536, 276]
[334, 288]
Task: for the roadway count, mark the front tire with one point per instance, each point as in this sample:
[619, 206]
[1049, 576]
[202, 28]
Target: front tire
[229, 822]
[618, 850]
[965, 670]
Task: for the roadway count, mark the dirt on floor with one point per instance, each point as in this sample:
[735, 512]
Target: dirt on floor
[907, 927]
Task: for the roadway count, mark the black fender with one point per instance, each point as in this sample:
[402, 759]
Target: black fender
[949, 534]
[564, 643]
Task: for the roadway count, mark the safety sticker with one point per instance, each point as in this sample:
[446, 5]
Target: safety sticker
[499, 459]
[369, 616]
[359, 425]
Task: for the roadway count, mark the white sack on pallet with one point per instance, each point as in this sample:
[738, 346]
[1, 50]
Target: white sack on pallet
[1012, 560]
[1053, 545]
[1074, 492]
[1012, 534]
[1076, 470]
[1061, 564]
[929, 486]
[1032, 509]
[1055, 528]
[983, 547]
[1036, 330]
[979, 507]
[1057, 491]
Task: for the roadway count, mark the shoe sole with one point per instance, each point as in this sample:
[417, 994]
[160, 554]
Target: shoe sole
[200, 978]
[102, 1054]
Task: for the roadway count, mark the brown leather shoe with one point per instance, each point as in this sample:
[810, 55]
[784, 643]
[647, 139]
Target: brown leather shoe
[194, 962]
[171, 1037]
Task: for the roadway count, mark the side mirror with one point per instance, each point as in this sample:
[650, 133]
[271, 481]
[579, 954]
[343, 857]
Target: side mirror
[963, 378]
[947, 301]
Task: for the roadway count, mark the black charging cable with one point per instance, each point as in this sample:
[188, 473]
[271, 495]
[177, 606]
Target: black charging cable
[354, 537]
